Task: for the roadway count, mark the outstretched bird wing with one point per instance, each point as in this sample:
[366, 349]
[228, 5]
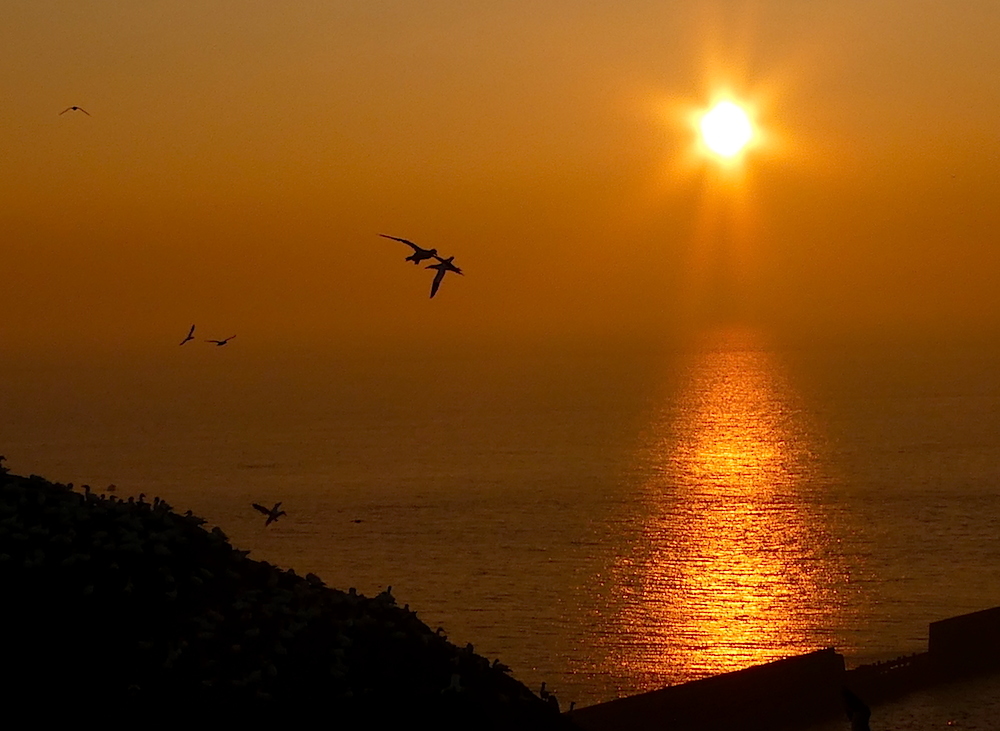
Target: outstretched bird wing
[65, 110]
[437, 280]
[405, 241]
[261, 508]
[447, 264]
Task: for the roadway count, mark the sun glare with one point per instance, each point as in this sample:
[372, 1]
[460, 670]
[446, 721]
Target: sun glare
[726, 129]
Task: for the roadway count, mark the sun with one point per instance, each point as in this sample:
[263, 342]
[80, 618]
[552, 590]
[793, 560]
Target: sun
[726, 129]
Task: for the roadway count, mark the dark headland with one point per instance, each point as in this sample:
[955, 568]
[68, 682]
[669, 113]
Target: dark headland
[126, 610]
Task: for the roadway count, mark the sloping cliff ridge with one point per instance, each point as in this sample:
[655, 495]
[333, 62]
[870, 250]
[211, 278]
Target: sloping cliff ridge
[117, 607]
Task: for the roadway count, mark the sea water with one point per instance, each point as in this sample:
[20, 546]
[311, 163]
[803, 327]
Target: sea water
[608, 521]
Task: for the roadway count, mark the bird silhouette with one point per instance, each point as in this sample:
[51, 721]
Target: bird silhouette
[190, 335]
[419, 254]
[75, 109]
[858, 712]
[220, 342]
[272, 515]
[455, 686]
[443, 266]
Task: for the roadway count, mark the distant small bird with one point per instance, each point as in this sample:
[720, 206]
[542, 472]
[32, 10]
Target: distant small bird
[75, 109]
[443, 265]
[419, 254]
[272, 515]
[190, 335]
[219, 343]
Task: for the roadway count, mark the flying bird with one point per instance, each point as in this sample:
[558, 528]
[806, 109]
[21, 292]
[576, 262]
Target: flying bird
[419, 254]
[443, 266]
[272, 515]
[75, 109]
[217, 342]
[190, 335]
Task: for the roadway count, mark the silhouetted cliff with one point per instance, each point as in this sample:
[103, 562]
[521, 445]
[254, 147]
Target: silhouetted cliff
[114, 608]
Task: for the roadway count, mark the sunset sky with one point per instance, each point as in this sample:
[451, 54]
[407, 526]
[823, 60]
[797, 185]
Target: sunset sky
[241, 159]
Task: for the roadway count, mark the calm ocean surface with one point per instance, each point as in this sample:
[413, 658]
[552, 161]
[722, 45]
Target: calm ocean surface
[607, 523]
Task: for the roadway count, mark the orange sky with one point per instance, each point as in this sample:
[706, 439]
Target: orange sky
[242, 157]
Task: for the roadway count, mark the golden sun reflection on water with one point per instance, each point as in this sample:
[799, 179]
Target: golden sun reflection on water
[732, 567]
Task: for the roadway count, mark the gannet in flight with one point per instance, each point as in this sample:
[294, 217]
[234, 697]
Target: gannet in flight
[75, 109]
[443, 265]
[221, 342]
[419, 254]
[272, 515]
[190, 335]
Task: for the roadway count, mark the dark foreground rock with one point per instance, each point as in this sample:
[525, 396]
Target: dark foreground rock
[129, 610]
